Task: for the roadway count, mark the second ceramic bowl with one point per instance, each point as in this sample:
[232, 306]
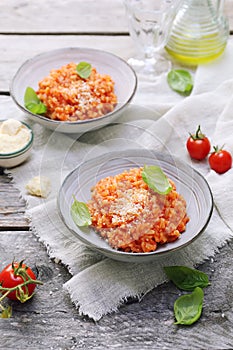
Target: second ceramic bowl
[38, 67]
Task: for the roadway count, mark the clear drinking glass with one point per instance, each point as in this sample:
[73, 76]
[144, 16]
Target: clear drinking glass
[150, 22]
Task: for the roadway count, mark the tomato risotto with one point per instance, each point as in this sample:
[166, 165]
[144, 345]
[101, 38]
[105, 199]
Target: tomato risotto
[132, 217]
[68, 97]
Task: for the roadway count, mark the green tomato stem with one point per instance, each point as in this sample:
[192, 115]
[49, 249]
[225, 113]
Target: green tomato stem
[4, 296]
[21, 294]
[30, 281]
[198, 132]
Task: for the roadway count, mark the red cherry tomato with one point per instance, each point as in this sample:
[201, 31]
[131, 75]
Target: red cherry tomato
[9, 279]
[198, 145]
[220, 160]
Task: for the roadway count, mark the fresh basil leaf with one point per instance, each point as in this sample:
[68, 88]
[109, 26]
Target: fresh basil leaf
[186, 278]
[188, 307]
[37, 108]
[180, 81]
[33, 103]
[83, 69]
[30, 96]
[155, 178]
[80, 213]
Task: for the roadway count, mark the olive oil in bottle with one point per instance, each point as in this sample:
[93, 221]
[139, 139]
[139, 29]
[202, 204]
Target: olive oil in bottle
[199, 33]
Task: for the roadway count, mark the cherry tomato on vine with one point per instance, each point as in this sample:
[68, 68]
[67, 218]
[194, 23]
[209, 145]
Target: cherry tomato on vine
[198, 145]
[220, 160]
[15, 274]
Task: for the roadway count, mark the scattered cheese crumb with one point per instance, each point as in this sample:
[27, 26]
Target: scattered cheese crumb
[39, 186]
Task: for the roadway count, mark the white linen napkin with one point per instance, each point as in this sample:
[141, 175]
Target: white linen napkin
[158, 118]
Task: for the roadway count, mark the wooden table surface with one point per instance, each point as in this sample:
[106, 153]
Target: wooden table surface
[50, 321]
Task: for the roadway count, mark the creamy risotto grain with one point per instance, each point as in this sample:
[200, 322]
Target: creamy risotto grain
[70, 98]
[132, 217]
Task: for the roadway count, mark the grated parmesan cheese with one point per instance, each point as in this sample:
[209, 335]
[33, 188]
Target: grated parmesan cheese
[128, 207]
[14, 136]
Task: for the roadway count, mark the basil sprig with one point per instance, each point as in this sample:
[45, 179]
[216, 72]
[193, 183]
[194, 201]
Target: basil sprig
[188, 307]
[84, 69]
[33, 103]
[80, 213]
[180, 81]
[155, 178]
[186, 278]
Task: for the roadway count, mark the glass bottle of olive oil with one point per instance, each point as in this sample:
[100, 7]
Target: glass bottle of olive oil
[200, 32]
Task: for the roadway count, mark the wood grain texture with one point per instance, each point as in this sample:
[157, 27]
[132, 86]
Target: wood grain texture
[229, 13]
[69, 16]
[12, 206]
[49, 320]
[15, 49]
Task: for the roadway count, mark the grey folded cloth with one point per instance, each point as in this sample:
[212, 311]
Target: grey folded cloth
[98, 284]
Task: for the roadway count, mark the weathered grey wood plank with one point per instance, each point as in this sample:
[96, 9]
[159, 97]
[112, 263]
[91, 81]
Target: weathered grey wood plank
[229, 13]
[12, 206]
[69, 16]
[13, 222]
[49, 320]
[14, 50]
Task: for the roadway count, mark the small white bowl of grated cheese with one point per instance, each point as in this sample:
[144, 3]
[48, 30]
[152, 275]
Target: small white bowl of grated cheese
[16, 139]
